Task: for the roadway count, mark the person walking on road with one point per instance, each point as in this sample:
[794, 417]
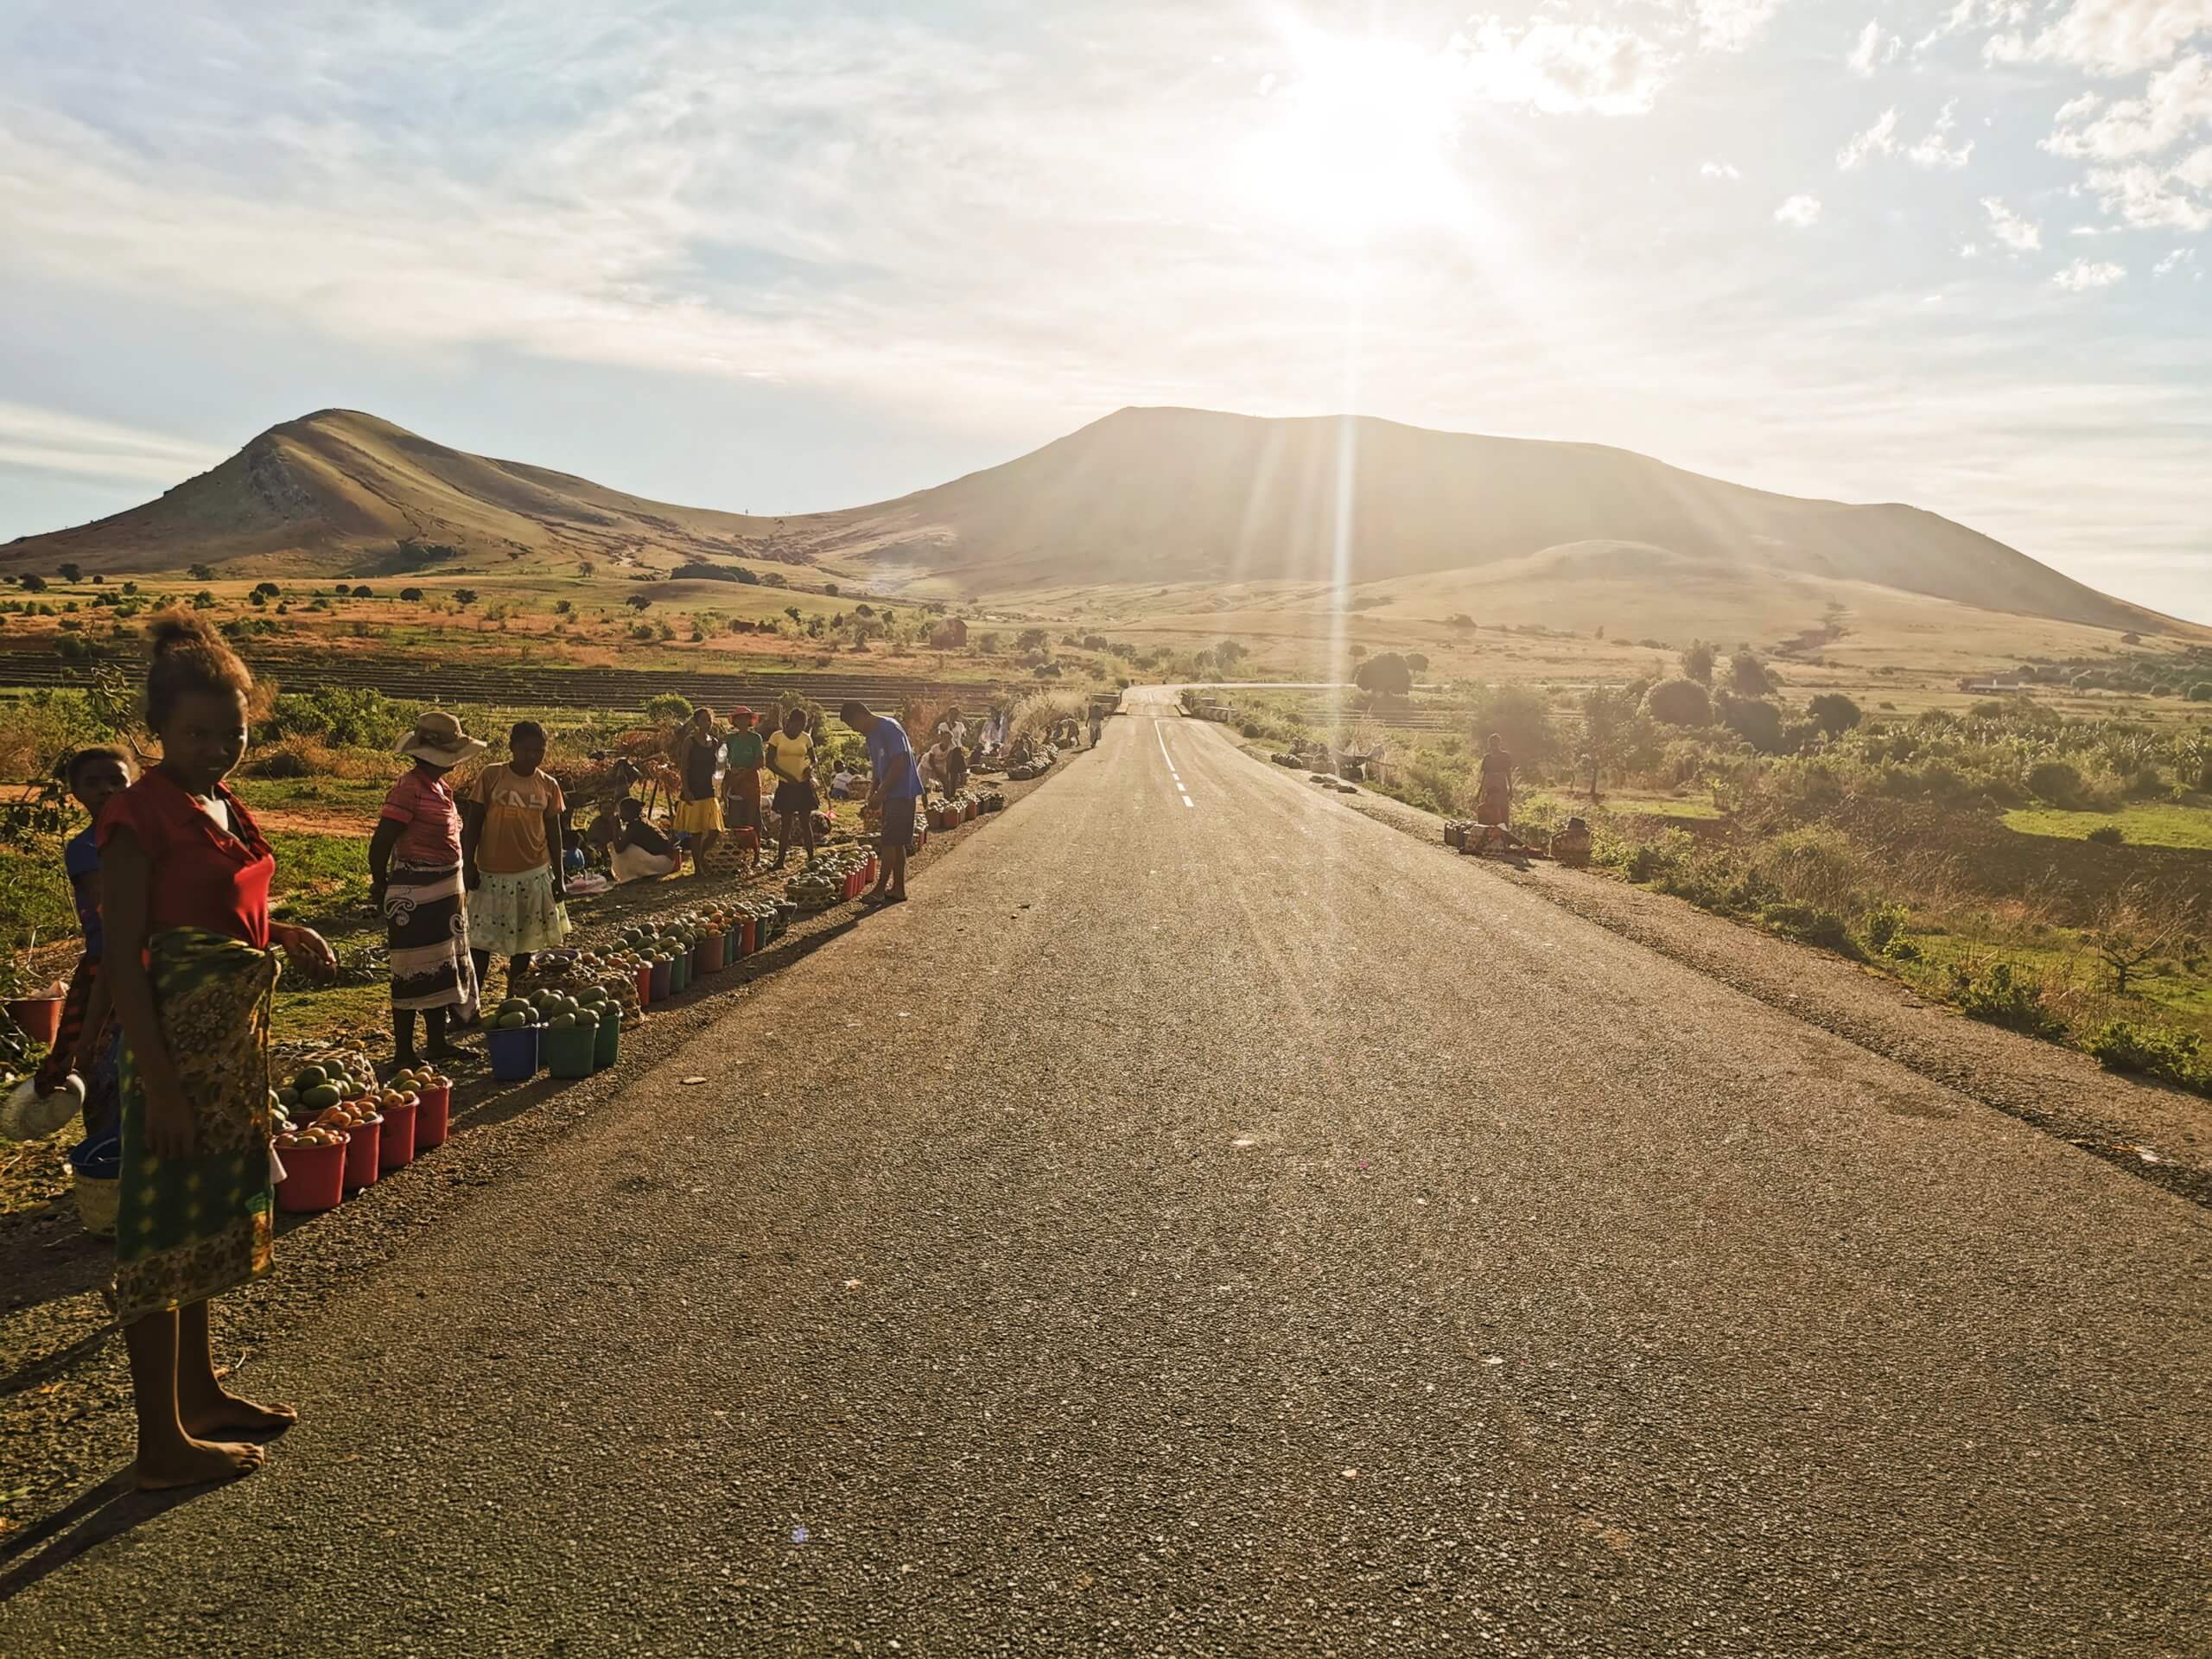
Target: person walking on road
[184, 898]
[896, 789]
[790, 758]
[744, 755]
[414, 885]
[510, 858]
[1097, 725]
[697, 754]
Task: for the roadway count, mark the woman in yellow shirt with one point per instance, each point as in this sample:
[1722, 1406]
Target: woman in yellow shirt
[510, 836]
[790, 758]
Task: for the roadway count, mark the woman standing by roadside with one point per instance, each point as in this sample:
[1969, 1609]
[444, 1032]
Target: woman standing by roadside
[510, 849]
[697, 755]
[415, 882]
[184, 896]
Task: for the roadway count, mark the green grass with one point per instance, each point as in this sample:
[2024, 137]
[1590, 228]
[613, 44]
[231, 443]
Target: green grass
[1648, 803]
[2151, 824]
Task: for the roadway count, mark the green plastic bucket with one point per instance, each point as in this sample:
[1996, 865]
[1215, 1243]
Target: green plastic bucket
[607, 1046]
[568, 1052]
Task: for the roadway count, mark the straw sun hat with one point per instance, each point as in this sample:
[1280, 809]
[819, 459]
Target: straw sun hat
[438, 739]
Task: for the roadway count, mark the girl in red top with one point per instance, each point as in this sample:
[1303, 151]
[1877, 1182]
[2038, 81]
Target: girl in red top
[184, 893]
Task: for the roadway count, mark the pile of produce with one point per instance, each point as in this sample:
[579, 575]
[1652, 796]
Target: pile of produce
[333, 1078]
[1455, 832]
[817, 887]
[992, 800]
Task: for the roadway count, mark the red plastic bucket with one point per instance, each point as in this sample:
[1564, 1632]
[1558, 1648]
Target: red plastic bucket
[314, 1178]
[364, 1153]
[644, 983]
[707, 957]
[751, 933]
[432, 1118]
[39, 1016]
[397, 1141]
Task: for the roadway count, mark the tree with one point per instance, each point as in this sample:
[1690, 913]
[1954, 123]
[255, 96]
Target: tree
[1834, 713]
[1386, 675]
[1679, 702]
[863, 609]
[2135, 927]
[268, 589]
[1755, 719]
[586, 569]
[1613, 729]
[1417, 661]
[365, 592]
[464, 597]
[1697, 663]
[1522, 718]
[1030, 640]
[792, 611]
[1358, 651]
[410, 595]
[1747, 675]
[73, 572]
[832, 589]
[563, 608]
[1227, 653]
[203, 600]
[639, 601]
[32, 584]
[202, 572]
[1460, 621]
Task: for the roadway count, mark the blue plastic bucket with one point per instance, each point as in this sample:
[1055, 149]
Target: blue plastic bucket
[513, 1052]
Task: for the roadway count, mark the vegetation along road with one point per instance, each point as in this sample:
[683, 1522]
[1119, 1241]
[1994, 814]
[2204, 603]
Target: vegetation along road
[1205, 1220]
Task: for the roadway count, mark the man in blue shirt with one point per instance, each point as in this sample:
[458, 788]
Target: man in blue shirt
[896, 788]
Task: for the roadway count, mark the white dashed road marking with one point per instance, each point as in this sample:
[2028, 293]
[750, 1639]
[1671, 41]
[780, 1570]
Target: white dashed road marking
[1161, 736]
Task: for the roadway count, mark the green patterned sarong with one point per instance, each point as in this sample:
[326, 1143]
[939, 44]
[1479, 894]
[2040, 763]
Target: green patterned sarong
[187, 1228]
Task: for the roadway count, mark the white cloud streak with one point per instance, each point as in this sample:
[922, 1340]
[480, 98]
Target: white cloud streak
[1875, 46]
[1800, 211]
[2082, 275]
[1732, 25]
[1563, 68]
[1880, 139]
[2022, 235]
[2108, 37]
[42, 440]
[2176, 102]
[1936, 148]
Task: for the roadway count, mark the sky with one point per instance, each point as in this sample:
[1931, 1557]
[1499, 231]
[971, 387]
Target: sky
[780, 258]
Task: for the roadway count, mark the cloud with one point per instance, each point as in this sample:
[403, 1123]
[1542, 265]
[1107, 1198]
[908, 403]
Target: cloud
[1935, 150]
[1876, 47]
[46, 440]
[1800, 211]
[2082, 275]
[2015, 232]
[1562, 68]
[2147, 199]
[1968, 14]
[1719, 170]
[1969, 250]
[1732, 25]
[2108, 37]
[2174, 103]
[1880, 139]
[2174, 261]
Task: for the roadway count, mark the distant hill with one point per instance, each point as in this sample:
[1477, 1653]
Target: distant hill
[1174, 495]
[339, 492]
[1143, 496]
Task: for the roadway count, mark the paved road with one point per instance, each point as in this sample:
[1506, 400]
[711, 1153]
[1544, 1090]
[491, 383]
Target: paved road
[1204, 1221]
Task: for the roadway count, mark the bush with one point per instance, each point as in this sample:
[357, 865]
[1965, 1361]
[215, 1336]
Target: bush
[1522, 717]
[2107, 834]
[1756, 720]
[2001, 994]
[1834, 713]
[1808, 924]
[1679, 702]
[281, 763]
[2175, 1056]
[348, 717]
[2057, 782]
[1885, 926]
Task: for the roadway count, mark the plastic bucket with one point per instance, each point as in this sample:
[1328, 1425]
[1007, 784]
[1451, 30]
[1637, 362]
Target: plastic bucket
[513, 1052]
[397, 1143]
[661, 973]
[607, 1041]
[733, 944]
[39, 1016]
[365, 1153]
[711, 953]
[748, 935]
[679, 973]
[314, 1177]
[568, 1051]
[645, 984]
[432, 1118]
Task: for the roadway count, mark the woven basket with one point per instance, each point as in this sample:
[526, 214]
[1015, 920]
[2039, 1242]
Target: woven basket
[98, 1200]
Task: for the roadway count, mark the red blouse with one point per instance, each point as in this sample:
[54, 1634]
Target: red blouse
[202, 878]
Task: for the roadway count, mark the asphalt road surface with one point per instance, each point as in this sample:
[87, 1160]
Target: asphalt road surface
[1204, 1221]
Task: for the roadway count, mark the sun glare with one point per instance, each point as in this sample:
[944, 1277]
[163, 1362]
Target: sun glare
[1359, 141]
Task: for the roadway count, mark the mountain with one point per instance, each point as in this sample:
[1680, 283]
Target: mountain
[1171, 495]
[339, 492]
[1144, 496]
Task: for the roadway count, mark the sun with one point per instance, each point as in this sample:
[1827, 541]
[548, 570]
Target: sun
[1360, 141]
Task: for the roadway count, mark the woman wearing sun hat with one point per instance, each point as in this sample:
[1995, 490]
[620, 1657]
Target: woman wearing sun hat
[744, 754]
[415, 880]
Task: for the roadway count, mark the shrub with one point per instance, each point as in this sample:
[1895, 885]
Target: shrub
[2057, 782]
[2176, 1056]
[281, 763]
[347, 717]
[1885, 926]
[1809, 924]
[1834, 713]
[2107, 834]
[411, 595]
[1756, 720]
[1679, 702]
[1522, 717]
[2001, 994]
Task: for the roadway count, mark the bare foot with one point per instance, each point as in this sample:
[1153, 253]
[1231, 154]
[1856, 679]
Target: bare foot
[196, 1463]
[226, 1413]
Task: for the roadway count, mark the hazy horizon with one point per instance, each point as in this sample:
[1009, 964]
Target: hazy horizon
[809, 258]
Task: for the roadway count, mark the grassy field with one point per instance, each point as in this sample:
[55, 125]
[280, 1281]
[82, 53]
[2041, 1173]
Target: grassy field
[2158, 823]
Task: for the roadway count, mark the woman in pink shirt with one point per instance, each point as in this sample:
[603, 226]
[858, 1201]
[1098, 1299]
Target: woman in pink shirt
[415, 880]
